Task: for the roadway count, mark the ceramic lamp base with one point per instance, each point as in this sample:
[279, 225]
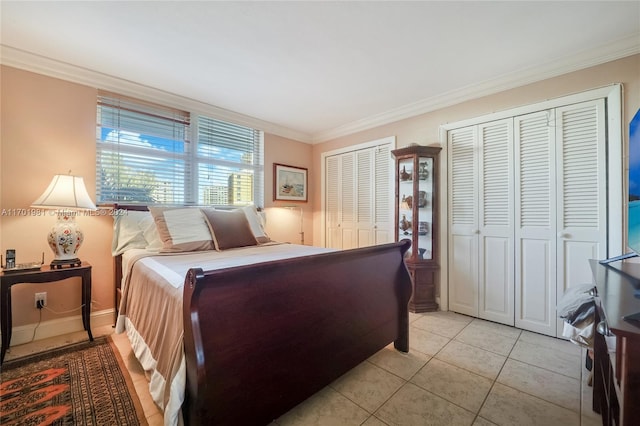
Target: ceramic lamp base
[65, 238]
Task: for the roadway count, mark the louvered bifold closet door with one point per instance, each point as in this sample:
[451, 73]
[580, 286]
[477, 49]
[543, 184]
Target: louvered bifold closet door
[333, 216]
[365, 186]
[341, 201]
[581, 152]
[463, 221]
[535, 233]
[383, 200]
[348, 200]
[496, 220]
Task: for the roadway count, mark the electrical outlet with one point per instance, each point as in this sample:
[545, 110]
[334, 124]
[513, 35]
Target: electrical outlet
[41, 297]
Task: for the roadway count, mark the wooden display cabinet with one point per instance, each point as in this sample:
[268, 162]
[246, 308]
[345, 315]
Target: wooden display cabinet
[416, 215]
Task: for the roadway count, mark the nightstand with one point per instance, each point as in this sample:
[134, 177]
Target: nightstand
[44, 275]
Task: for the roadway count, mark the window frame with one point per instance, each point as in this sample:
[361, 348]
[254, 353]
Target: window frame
[192, 159]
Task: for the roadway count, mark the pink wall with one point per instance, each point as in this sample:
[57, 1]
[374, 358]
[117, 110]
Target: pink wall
[284, 224]
[48, 128]
[424, 129]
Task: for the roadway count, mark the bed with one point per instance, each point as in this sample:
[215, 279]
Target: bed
[240, 335]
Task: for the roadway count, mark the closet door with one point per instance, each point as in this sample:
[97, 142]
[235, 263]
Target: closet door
[463, 221]
[383, 195]
[561, 207]
[340, 201]
[358, 198]
[365, 188]
[481, 221]
[535, 232]
[549, 168]
[582, 192]
[332, 198]
[495, 218]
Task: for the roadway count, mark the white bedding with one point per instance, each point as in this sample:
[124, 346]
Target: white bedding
[151, 309]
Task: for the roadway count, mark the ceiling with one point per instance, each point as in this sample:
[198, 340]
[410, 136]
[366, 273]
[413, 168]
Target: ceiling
[319, 70]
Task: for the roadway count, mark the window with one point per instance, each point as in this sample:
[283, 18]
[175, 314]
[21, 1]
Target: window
[229, 163]
[152, 154]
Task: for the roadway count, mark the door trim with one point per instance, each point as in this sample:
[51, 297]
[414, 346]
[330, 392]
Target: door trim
[616, 182]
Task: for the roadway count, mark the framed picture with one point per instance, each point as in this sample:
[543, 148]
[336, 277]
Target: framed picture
[289, 183]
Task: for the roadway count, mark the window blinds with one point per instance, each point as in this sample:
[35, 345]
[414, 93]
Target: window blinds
[145, 154]
[230, 165]
[142, 152]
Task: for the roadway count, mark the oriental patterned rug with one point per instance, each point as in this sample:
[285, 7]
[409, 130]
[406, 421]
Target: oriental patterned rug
[81, 384]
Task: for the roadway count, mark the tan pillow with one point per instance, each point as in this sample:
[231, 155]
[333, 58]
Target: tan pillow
[182, 229]
[229, 228]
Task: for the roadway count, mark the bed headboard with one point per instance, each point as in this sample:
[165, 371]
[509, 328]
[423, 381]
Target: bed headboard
[117, 260]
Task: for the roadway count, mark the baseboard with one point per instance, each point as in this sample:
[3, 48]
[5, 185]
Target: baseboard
[57, 327]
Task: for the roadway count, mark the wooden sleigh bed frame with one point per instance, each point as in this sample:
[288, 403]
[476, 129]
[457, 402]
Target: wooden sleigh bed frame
[259, 339]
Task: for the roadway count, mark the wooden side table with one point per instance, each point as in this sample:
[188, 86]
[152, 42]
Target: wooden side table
[44, 275]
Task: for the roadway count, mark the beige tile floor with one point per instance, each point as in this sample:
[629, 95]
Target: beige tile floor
[459, 371]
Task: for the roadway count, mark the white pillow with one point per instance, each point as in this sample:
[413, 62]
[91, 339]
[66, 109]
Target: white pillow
[256, 221]
[150, 232]
[128, 228]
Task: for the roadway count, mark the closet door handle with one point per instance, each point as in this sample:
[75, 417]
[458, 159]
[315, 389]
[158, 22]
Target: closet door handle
[563, 235]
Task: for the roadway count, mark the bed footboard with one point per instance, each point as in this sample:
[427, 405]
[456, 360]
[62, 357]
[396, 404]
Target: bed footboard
[260, 339]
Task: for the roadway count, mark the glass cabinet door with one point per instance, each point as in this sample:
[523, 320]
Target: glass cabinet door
[424, 208]
[415, 214]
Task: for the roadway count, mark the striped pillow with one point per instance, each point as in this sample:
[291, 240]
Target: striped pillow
[182, 229]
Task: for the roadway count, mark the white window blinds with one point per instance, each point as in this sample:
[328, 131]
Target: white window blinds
[145, 154]
[142, 152]
[230, 165]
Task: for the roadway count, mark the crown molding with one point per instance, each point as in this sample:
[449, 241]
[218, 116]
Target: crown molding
[28, 61]
[618, 49]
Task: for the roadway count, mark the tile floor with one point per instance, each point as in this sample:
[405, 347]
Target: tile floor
[459, 371]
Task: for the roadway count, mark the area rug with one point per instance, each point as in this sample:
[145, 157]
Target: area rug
[81, 384]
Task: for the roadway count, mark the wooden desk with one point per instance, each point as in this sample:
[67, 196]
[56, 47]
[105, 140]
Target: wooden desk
[616, 371]
[44, 275]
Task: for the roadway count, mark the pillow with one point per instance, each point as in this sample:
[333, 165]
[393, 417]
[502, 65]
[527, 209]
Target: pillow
[150, 232]
[128, 226]
[181, 229]
[229, 228]
[256, 221]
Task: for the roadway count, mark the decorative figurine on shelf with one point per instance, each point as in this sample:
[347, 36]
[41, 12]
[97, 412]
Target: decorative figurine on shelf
[409, 201]
[423, 173]
[405, 224]
[423, 228]
[404, 175]
[421, 252]
[422, 199]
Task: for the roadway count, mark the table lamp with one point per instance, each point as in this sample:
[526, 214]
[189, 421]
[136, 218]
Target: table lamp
[301, 221]
[66, 194]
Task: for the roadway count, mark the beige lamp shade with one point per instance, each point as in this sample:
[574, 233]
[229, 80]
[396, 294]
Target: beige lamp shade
[65, 193]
